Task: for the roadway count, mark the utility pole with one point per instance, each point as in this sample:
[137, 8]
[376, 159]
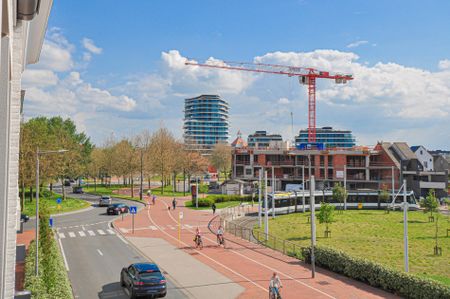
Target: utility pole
[405, 227]
[36, 268]
[312, 186]
[303, 188]
[266, 208]
[345, 186]
[196, 192]
[259, 197]
[393, 182]
[273, 192]
[141, 191]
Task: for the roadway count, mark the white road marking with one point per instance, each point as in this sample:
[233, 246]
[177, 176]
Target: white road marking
[124, 230]
[110, 231]
[91, 233]
[123, 240]
[61, 235]
[188, 226]
[171, 227]
[99, 252]
[72, 234]
[152, 227]
[81, 233]
[101, 232]
[63, 254]
[83, 227]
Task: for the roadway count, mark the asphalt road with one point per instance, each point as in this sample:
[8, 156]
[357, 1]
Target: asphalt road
[95, 254]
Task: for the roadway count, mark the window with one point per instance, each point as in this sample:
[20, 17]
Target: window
[421, 152]
[248, 171]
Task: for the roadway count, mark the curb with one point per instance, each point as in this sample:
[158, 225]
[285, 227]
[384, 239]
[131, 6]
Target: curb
[174, 281]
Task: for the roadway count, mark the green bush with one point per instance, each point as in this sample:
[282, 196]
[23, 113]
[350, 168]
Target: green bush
[52, 281]
[400, 283]
[45, 193]
[227, 198]
[205, 202]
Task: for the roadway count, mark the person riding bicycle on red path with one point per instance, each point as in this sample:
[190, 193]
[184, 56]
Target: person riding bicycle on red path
[220, 239]
[275, 285]
[198, 239]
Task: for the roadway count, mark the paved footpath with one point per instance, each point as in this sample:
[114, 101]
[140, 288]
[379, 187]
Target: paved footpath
[242, 270]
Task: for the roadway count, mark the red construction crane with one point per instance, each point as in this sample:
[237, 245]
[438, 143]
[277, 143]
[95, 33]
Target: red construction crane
[306, 76]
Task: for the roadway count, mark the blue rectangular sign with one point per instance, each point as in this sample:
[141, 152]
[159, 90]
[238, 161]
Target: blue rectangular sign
[51, 222]
[133, 210]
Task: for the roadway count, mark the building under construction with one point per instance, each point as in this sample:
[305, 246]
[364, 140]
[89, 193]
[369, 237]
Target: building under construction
[360, 168]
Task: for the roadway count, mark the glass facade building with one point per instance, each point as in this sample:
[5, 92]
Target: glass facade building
[205, 122]
[260, 139]
[331, 138]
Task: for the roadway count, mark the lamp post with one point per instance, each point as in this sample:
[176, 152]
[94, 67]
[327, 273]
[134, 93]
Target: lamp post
[142, 175]
[38, 152]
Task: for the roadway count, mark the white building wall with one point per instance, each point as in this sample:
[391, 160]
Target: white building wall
[425, 158]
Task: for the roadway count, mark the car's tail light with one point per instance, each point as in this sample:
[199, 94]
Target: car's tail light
[138, 283]
[162, 281]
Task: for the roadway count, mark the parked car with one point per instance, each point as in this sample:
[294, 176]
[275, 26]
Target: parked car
[67, 183]
[24, 218]
[143, 279]
[117, 209]
[77, 190]
[105, 201]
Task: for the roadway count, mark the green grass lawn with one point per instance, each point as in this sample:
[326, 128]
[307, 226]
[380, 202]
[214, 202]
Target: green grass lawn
[377, 236]
[67, 205]
[219, 205]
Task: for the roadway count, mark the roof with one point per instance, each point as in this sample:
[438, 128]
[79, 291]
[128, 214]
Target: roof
[239, 142]
[403, 150]
[142, 267]
[414, 148]
[386, 148]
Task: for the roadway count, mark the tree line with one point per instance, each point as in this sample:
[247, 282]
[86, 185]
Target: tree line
[158, 153]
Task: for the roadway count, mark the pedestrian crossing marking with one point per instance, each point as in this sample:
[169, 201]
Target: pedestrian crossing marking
[91, 233]
[110, 231]
[101, 232]
[81, 233]
[61, 236]
[72, 234]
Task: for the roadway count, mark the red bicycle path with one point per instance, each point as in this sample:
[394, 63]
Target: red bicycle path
[248, 264]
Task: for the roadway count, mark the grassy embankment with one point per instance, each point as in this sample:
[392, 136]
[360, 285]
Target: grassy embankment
[48, 198]
[377, 236]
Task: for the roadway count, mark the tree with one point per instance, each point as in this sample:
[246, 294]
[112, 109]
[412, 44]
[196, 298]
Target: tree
[162, 154]
[339, 194]
[221, 158]
[430, 204]
[325, 215]
[384, 197]
[94, 169]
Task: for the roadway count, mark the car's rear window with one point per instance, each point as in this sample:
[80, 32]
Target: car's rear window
[105, 197]
[150, 274]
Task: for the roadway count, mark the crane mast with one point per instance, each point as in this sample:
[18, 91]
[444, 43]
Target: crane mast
[306, 76]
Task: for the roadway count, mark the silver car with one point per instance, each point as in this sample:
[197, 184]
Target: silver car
[105, 201]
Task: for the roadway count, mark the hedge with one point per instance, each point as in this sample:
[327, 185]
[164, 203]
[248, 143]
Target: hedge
[226, 198]
[397, 282]
[52, 281]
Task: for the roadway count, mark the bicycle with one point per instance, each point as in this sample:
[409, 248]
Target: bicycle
[198, 242]
[274, 295]
[220, 240]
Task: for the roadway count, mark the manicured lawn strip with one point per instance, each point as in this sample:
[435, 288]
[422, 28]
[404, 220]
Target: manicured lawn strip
[104, 190]
[219, 205]
[376, 236]
[67, 205]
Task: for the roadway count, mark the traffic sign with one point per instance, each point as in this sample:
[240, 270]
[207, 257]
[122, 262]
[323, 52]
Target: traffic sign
[59, 207]
[180, 215]
[133, 210]
[58, 200]
[50, 222]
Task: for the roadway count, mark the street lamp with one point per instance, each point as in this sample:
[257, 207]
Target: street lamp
[38, 153]
[141, 190]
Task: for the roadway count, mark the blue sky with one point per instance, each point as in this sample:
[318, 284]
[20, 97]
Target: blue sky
[108, 58]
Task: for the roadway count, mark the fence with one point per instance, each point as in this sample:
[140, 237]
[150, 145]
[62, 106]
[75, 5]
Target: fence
[249, 234]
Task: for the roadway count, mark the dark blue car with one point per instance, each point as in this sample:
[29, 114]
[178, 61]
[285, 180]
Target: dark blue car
[143, 279]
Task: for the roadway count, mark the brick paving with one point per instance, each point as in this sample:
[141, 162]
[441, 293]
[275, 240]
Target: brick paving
[248, 264]
[24, 238]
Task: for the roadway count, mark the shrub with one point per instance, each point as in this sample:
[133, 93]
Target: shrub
[204, 202]
[45, 193]
[400, 283]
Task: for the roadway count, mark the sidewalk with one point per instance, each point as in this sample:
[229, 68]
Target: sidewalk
[23, 239]
[246, 264]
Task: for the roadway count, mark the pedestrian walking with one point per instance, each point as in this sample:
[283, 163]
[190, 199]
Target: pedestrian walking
[213, 208]
[174, 203]
[154, 199]
[149, 192]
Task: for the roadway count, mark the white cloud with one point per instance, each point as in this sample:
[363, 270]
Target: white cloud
[39, 78]
[358, 43]
[283, 101]
[89, 45]
[444, 64]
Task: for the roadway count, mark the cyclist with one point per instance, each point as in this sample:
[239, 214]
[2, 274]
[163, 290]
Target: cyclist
[220, 239]
[275, 286]
[198, 239]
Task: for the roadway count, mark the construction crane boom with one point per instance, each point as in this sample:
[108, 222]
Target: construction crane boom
[306, 76]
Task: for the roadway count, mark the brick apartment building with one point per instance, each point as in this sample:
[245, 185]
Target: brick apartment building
[361, 167]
